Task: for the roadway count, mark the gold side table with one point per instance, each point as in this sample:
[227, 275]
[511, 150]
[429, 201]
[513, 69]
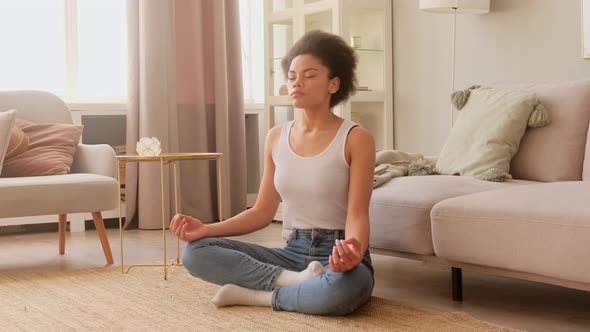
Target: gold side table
[166, 158]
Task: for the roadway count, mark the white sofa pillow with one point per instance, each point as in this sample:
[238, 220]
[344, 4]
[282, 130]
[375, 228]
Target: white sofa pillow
[6, 123]
[487, 134]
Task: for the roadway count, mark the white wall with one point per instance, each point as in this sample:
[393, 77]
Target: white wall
[519, 41]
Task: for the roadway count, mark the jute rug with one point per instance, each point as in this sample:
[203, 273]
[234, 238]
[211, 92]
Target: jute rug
[104, 299]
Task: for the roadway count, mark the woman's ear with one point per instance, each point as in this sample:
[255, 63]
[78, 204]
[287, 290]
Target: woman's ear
[334, 85]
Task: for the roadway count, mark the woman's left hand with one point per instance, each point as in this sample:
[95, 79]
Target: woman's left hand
[345, 255]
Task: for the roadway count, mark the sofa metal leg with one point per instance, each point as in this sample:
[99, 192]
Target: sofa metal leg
[61, 226]
[457, 284]
[102, 235]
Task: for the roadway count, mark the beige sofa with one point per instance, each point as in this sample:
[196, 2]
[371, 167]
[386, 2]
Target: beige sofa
[91, 186]
[535, 227]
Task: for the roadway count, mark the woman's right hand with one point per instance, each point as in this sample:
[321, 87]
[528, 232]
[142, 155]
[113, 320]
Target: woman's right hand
[188, 228]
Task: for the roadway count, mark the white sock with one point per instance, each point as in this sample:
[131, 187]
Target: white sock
[235, 295]
[313, 270]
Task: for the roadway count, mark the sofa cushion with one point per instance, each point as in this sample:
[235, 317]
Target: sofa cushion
[53, 194]
[586, 171]
[556, 152]
[51, 150]
[487, 134]
[6, 124]
[19, 142]
[541, 229]
[399, 210]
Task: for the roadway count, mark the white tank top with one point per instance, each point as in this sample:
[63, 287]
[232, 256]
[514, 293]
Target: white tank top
[314, 190]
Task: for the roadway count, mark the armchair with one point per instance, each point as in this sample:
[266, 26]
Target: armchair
[91, 185]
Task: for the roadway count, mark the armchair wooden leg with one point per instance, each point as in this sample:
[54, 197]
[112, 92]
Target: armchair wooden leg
[62, 219]
[102, 235]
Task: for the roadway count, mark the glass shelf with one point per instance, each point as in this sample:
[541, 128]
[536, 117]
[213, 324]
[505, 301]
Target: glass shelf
[280, 5]
[280, 42]
[319, 21]
[278, 78]
[367, 50]
[366, 25]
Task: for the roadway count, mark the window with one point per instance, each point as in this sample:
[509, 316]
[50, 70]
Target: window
[251, 26]
[76, 49]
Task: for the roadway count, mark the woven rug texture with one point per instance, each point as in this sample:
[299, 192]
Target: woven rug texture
[104, 299]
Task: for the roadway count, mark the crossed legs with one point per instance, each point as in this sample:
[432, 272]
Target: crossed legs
[256, 275]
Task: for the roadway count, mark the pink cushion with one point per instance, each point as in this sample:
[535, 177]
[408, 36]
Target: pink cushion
[6, 123]
[556, 152]
[19, 142]
[586, 172]
[51, 150]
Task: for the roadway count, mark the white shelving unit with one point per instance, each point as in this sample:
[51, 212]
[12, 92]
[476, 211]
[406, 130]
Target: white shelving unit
[287, 20]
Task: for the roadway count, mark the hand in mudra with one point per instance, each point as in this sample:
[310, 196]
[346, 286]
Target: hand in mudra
[345, 255]
[187, 228]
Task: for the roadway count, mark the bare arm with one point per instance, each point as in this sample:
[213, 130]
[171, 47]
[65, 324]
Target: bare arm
[349, 253]
[267, 203]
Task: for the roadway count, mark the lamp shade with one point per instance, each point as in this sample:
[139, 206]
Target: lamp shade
[456, 6]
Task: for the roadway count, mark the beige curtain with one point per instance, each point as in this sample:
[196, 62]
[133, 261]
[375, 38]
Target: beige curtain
[185, 87]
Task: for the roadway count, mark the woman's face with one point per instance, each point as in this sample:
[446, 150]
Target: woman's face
[309, 83]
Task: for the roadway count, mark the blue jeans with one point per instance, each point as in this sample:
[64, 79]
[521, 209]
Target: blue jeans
[223, 261]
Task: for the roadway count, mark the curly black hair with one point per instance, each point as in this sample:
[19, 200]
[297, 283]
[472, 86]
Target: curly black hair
[334, 53]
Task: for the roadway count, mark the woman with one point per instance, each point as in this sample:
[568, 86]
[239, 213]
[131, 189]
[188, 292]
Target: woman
[321, 168]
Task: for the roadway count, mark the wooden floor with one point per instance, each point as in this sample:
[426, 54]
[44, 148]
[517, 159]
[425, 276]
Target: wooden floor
[508, 302]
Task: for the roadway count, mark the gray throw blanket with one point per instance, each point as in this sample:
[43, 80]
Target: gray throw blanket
[393, 163]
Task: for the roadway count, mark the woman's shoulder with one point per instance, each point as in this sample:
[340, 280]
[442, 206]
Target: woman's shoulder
[275, 132]
[360, 135]
[359, 142]
[272, 138]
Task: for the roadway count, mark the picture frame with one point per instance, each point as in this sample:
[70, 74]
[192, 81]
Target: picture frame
[586, 29]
